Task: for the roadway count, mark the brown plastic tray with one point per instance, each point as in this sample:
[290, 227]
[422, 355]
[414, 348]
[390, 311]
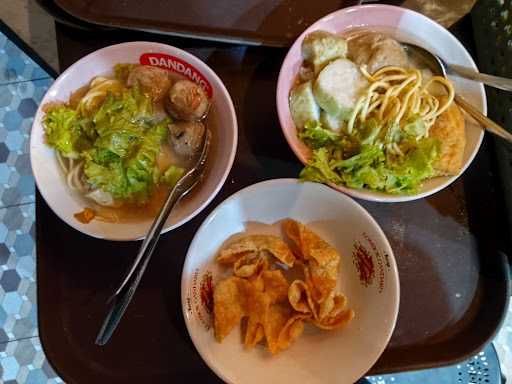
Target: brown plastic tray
[270, 22]
[454, 282]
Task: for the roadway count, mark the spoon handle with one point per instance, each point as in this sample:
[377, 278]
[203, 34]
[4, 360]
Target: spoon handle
[493, 81]
[124, 295]
[487, 123]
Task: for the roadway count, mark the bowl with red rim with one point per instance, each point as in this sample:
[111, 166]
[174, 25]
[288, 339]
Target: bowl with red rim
[221, 122]
[405, 26]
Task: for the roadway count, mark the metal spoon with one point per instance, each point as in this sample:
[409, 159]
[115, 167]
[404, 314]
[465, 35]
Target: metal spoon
[124, 293]
[440, 68]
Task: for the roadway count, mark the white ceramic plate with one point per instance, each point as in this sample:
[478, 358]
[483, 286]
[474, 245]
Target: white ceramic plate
[50, 179]
[404, 25]
[317, 356]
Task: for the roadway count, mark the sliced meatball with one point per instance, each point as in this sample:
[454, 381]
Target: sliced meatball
[376, 51]
[187, 101]
[155, 82]
[186, 137]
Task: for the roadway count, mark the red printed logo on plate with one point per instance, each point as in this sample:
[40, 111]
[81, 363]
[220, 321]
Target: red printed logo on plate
[371, 263]
[175, 64]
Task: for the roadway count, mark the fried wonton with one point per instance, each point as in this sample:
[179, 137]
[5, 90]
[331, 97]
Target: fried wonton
[449, 129]
[321, 260]
[310, 245]
[258, 292]
[321, 279]
[250, 264]
[256, 243]
[274, 287]
[300, 299]
[230, 298]
[283, 326]
[335, 322]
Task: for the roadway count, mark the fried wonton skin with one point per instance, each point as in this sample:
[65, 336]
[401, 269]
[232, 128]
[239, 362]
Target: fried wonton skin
[321, 279]
[256, 243]
[275, 311]
[450, 130]
[233, 299]
[283, 326]
[250, 264]
[309, 243]
[335, 322]
[274, 289]
[300, 298]
[321, 260]
[230, 297]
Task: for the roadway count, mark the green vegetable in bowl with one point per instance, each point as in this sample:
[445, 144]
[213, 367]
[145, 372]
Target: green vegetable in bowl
[118, 144]
[372, 168]
[64, 133]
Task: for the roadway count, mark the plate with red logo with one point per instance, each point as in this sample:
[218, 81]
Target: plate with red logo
[221, 121]
[368, 277]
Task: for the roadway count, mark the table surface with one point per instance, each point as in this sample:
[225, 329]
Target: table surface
[438, 242]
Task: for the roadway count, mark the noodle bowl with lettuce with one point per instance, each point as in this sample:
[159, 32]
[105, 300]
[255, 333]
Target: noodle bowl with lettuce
[373, 118]
[122, 142]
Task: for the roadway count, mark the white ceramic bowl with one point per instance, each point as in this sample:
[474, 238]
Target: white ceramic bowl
[404, 25]
[317, 356]
[50, 179]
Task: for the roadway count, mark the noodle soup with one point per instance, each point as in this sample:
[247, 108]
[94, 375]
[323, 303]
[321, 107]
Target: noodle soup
[124, 141]
[372, 118]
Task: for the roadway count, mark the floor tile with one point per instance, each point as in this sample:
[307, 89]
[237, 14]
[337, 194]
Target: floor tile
[18, 104]
[33, 25]
[23, 362]
[482, 368]
[18, 314]
[15, 65]
[503, 344]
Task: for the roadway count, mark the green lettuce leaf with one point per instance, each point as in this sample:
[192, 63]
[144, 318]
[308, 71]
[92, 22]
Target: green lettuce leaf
[371, 168]
[316, 137]
[319, 169]
[123, 160]
[110, 177]
[64, 131]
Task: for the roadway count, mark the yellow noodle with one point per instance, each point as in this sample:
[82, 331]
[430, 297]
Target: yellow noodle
[396, 94]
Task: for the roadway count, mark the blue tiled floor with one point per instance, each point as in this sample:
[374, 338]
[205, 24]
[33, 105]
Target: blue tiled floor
[22, 85]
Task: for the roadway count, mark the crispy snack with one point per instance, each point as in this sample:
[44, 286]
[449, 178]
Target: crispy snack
[335, 322]
[321, 259]
[309, 243]
[260, 293]
[256, 243]
[254, 333]
[300, 299]
[321, 279]
[250, 264]
[283, 326]
[230, 298]
[274, 287]
[449, 128]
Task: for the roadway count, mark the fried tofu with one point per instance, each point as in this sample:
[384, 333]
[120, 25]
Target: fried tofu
[449, 129]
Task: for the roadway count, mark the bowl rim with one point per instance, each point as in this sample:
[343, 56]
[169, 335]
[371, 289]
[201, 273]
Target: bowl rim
[278, 182]
[128, 45]
[366, 194]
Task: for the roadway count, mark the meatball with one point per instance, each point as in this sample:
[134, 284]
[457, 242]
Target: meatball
[155, 82]
[187, 101]
[186, 137]
[376, 51]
